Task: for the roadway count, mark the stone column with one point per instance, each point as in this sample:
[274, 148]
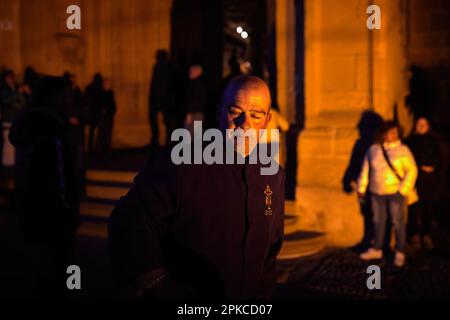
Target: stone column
[337, 84]
[285, 52]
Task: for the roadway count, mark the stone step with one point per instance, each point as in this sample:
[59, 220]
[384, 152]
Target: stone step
[106, 192]
[290, 223]
[106, 185]
[98, 210]
[93, 229]
[110, 176]
[301, 243]
[104, 189]
[298, 242]
[291, 220]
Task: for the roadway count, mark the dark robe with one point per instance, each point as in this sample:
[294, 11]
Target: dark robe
[427, 152]
[207, 225]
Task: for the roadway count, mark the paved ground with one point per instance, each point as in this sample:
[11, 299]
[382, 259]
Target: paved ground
[331, 274]
[340, 274]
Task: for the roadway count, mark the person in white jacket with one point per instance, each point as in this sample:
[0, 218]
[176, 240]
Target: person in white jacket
[389, 187]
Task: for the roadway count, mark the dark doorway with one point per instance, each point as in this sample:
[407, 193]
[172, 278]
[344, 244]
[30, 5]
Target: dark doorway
[299, 124]
[197, 34]
[299, 63]
[245, 30]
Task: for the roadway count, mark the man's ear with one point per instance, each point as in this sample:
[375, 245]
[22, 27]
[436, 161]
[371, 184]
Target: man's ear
[222, 118]
[269, 116]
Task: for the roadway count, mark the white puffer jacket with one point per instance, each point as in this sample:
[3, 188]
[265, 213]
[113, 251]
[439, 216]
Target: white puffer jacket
[380, 178]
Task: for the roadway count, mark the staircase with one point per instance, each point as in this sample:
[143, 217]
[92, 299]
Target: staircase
[106, 187]
[298, 242]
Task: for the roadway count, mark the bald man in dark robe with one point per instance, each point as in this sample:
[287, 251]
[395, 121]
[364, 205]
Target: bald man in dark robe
[204, 231]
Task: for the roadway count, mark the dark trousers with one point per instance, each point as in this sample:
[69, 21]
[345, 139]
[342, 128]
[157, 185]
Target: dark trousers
[365, 206]
[76, 145]
[169, 122]
[91, 137]
[420, 217]
[105, 127]
[393, 204]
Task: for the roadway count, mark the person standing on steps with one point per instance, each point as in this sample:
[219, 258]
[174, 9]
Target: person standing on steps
[389, 172]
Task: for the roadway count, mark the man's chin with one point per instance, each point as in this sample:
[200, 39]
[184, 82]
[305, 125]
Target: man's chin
[244, 153]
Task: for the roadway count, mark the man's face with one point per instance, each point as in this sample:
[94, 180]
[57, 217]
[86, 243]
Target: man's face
[392, 135]
[247, 109]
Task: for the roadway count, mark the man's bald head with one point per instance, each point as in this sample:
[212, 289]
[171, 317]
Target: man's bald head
[245, 103]
[245, 82]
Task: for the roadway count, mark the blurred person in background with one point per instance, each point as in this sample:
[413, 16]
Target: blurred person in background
[30, 80]
[12, 99]
[75, 114]
[46, 186]
[389, 172]
[196, 97]
[92, 100]
[106, 119]
[427, 153]
[234, 69]
[161, 97]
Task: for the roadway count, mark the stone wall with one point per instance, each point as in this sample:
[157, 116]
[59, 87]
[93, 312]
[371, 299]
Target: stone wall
[117, 38]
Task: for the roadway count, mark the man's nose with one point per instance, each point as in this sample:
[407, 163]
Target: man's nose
[242, 121]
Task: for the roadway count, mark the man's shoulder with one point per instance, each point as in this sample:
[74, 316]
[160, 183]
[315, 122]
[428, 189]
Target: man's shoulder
[158, 170]
[161, 170]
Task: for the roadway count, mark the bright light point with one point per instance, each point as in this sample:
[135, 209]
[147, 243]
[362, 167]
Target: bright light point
[239, 29]
[244, 34]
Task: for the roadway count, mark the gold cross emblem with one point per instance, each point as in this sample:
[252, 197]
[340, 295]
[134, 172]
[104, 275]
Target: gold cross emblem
[268, 193]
